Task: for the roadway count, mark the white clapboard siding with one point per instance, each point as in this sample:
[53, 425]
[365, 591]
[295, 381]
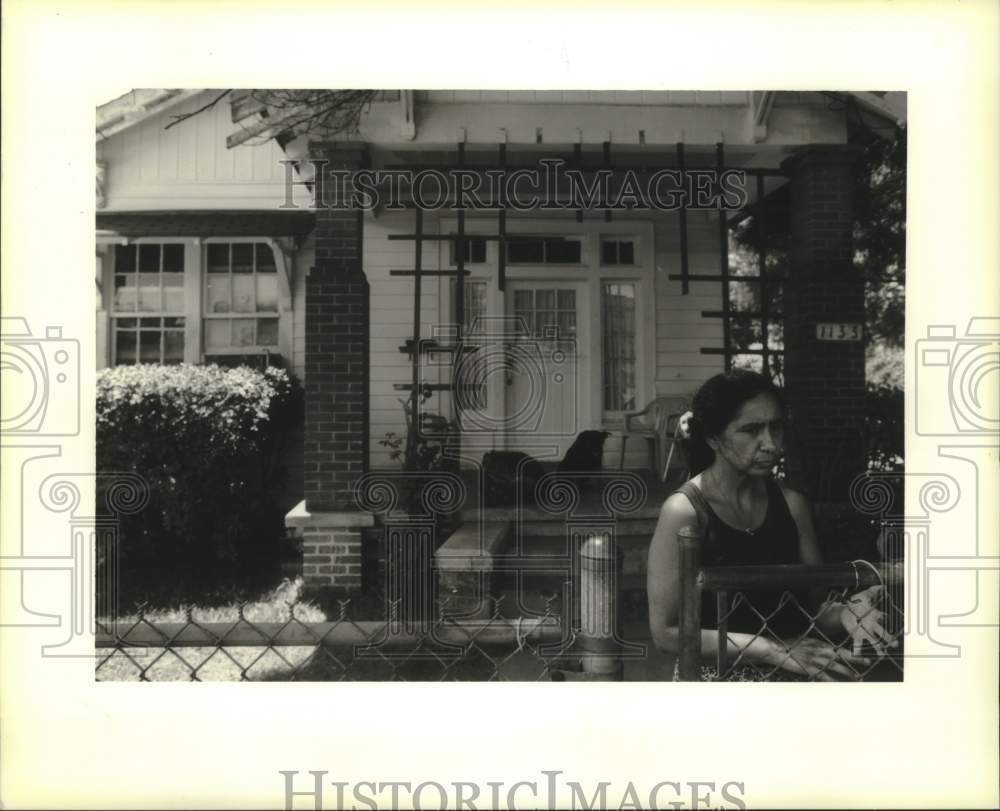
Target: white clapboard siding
[189, 167]
[681, 330]
[392, 323]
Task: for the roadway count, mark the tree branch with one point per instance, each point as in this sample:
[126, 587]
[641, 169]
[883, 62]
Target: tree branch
[179, 118]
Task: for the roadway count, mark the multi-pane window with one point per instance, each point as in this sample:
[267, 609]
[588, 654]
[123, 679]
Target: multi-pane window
[148, 306]
[241, 298]
[475, 303]
[547, 313]
[618, 332]
[617, 251]
[532, 250]
[475, 251]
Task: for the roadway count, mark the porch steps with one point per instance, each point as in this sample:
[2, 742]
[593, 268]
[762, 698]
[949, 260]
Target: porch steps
[524, 562]
[465, 564]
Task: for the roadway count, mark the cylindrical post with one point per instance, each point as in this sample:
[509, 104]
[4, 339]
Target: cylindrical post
[689, 541]
[600, 571]
[722, 647]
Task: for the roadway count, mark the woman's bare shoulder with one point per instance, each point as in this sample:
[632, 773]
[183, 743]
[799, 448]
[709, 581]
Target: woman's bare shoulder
[796, 498]
[678, 506]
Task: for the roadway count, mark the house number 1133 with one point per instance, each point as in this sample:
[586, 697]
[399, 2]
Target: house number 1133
[838, 332]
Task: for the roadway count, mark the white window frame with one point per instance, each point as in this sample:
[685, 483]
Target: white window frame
[195, 271]
[641, 274]
[275, 314]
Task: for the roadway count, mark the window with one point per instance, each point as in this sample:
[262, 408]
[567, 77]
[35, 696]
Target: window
[527, 250]
[475, 303]
[547, 313]
[241, 298]
[475, 251]
[180, 300]
[148, 307]
[618, 251]
[618, 334]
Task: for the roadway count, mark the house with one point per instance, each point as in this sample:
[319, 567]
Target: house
[224, 234]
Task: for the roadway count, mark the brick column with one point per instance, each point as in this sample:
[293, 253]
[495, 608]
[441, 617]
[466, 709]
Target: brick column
[825, 380]
[336, 385]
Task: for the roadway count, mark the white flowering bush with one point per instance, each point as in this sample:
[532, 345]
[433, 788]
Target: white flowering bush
[208, 441]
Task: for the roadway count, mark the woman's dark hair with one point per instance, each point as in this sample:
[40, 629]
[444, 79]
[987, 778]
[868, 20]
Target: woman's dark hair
[716, 404]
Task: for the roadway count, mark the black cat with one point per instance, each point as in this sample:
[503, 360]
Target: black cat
[505, 472]
[586, 453]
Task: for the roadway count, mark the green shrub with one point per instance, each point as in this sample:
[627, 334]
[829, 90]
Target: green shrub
[208, 443]
[883, 430]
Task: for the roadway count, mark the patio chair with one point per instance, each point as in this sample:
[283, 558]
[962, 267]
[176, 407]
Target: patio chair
[658, 423]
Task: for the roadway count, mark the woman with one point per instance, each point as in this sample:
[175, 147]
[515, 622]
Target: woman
[734, 436]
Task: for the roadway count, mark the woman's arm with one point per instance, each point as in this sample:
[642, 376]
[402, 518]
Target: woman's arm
[663, 588]
[828, 619]
[859, 618]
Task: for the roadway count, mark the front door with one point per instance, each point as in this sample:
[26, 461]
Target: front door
[547, 369]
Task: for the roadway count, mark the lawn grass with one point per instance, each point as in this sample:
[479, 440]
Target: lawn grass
[212, 663]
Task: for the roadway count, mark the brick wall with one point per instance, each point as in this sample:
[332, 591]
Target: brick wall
[336, 354]
[825, 379]
[335, 363]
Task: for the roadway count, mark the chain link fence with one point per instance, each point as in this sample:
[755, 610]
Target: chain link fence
[573, 635]
[784, 610]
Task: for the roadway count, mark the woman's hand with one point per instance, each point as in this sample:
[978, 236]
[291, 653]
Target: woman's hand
[862, 619]
[816, 659]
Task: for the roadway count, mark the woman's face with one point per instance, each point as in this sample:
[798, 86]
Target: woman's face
[753, 440]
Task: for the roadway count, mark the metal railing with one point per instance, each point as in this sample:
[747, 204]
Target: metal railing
[734, 588]
[449, 646]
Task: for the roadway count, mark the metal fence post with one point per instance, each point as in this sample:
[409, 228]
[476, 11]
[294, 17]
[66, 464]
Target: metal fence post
[600, 574]
[689, 666]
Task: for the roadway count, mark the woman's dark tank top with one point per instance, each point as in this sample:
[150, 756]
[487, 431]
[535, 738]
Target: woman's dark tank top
[776, 541]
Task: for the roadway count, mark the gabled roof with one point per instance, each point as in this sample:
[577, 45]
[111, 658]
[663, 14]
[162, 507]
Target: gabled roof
[252, 115]
[136, 106]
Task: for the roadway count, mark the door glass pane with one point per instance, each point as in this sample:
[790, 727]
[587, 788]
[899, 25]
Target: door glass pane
[566, 299]
[243, 293]
[618, 338]
[217, 333]
[267, 292]
[545, 299]
[567, 324]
